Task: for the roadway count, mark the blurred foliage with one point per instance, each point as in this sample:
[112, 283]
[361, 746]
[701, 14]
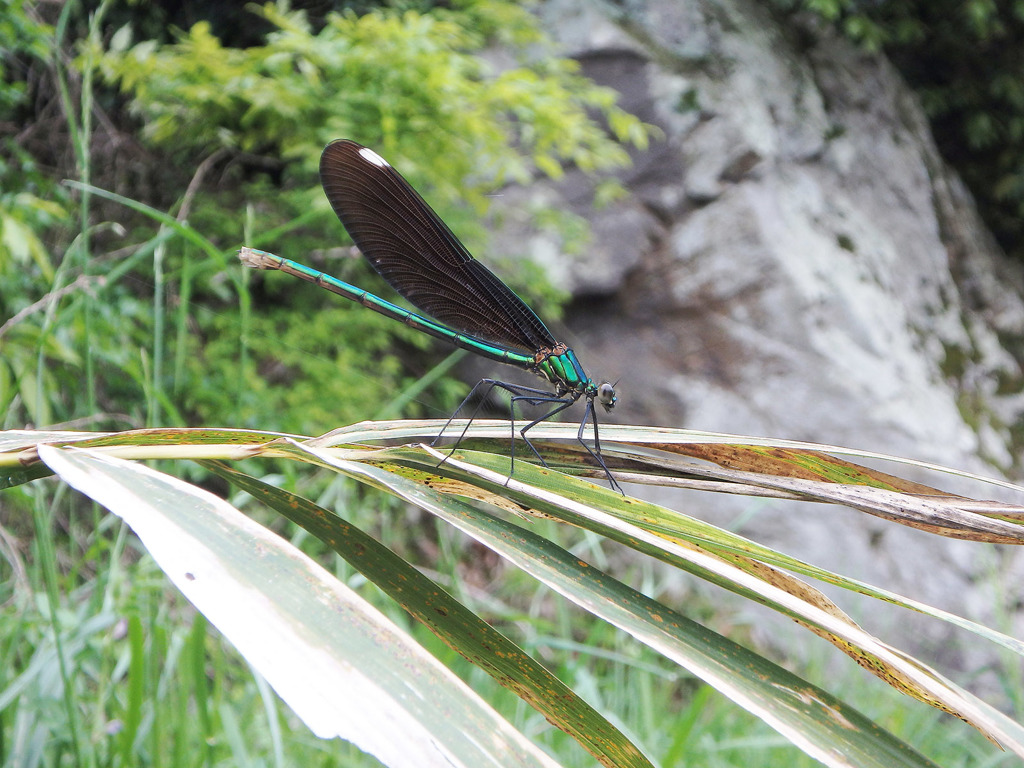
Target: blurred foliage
[29, 201]
[412, 85]
[20, 37]
[30, 204]
[965, 58]
[134, 324]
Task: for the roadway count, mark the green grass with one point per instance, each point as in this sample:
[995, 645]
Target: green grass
[145, 681]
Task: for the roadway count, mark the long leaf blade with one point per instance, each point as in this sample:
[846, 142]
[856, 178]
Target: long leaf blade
[458, 627]
[809, 717]
[342, 666]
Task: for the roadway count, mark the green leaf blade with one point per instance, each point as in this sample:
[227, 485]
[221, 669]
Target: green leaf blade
[340, 664]
[458, 627]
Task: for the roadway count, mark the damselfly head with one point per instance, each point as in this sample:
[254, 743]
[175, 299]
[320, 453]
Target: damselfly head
[606, 395]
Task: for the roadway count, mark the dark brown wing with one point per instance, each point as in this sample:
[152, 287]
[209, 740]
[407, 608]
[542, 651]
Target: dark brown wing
[411, 248]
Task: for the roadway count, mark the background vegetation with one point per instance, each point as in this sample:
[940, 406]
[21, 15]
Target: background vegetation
[965, 59]
[226, 141]
[121, 306]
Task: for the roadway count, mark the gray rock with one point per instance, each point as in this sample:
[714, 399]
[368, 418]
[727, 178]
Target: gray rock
[795, 260]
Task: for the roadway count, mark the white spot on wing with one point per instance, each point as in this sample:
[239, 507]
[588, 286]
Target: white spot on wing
[372, 157]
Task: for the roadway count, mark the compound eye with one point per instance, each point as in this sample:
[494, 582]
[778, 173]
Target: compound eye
[606, 396]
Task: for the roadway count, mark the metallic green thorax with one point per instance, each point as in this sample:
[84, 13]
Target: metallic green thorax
[560, 366]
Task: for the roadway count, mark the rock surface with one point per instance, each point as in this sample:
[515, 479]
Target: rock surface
[794, 260]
